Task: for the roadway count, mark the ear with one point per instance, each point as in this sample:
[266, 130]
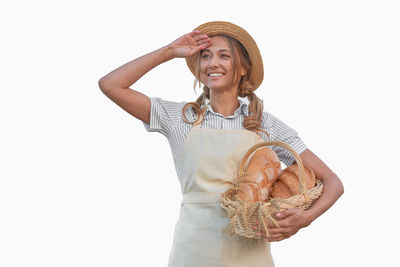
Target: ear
[243, 70]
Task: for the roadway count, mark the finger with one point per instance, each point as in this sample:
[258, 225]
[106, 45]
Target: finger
[272, 225]
[203, 43]
[279, 231]
[200, 37]
[286, 222]
[285, 213]
[194, 33]
[275, 236]
[282, 224]
[260, 229]
[200, 47]
[262, 234]
[282, 214]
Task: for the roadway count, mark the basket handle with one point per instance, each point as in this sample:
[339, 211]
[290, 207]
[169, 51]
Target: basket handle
[287, 147]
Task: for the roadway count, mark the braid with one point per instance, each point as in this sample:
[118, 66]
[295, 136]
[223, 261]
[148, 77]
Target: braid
[200, 101]
[253, 121]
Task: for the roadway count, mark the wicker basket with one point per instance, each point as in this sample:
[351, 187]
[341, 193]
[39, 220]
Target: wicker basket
[245, 216]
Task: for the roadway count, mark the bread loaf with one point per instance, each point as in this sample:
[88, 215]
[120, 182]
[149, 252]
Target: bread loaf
[264, 167]
[287, 184]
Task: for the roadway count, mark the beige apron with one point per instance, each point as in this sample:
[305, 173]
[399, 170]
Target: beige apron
[202, 234]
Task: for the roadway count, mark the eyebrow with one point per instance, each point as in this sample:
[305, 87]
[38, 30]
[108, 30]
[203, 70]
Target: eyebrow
[221, 50]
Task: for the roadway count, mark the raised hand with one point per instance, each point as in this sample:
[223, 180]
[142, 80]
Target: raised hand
[189, 44]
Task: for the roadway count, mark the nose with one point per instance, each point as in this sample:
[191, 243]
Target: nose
[214, 62]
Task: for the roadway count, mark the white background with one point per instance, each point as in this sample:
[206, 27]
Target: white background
[82, 182]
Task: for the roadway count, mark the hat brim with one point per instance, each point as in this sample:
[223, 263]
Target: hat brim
[256, 74]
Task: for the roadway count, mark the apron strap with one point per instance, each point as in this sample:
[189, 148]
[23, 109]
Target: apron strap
[201, 197]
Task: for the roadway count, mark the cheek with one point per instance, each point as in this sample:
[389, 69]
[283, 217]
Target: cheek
[203, 68]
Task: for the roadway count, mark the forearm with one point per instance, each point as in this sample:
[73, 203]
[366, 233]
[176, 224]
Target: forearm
[333, 189]
[129, 73]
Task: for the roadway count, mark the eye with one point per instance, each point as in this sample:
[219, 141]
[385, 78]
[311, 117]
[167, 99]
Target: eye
[225, 56]
[205, 56]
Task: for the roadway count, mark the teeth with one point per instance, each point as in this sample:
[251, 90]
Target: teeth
[215, 74]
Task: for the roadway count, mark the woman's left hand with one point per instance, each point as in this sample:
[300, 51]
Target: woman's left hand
[290, 222]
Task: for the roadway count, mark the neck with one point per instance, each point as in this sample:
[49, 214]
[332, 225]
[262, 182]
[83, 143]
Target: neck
[224, 104]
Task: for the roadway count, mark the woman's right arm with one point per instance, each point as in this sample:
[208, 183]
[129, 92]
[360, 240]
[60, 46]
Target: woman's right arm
[115, 85]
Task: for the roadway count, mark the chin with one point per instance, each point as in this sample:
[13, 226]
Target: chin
[220, 87]
[217, 86]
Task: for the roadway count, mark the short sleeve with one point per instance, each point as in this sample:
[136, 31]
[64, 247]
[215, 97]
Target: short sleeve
[164, 116]
[279, 131]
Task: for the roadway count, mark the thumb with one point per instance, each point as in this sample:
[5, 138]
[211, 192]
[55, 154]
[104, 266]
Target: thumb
[284, 213]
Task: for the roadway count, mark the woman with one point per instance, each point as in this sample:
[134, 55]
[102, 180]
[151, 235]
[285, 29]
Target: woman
[208, 138]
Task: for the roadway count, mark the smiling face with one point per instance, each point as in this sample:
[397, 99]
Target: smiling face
[217, 70]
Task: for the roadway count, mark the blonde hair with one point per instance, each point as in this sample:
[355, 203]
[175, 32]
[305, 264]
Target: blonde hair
[245, 89]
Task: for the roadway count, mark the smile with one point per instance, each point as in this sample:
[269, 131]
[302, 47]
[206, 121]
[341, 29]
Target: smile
[215, 74]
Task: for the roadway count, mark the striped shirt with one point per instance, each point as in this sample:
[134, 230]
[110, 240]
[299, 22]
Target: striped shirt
[166, 118]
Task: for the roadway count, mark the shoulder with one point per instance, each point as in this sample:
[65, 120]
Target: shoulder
[167, 103]
[165, 116]
[269, 119]
[171, 109]
[275, 126]
[167, 106]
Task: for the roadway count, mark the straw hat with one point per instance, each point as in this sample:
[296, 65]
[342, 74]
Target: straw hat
[256, 73]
